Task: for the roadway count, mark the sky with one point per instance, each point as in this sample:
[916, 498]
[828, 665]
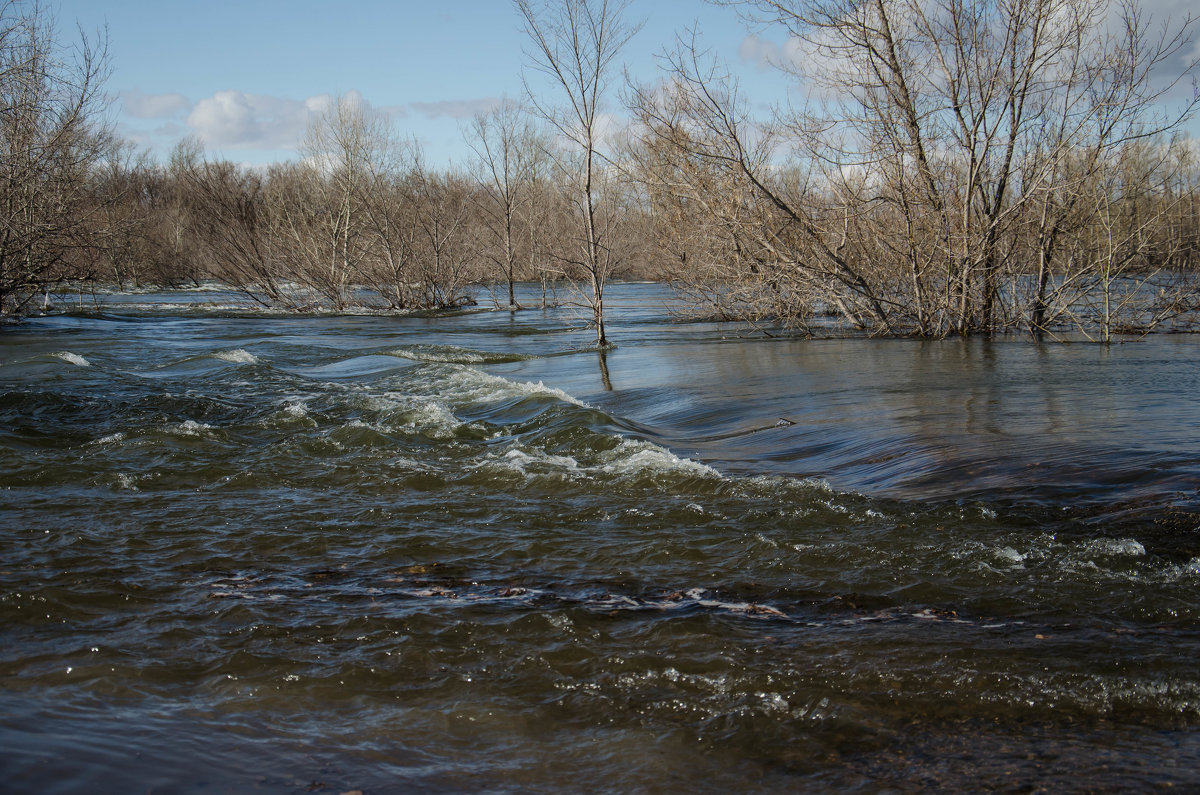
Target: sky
[246, 75]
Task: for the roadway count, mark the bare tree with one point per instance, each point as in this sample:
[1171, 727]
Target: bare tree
[509, 155]
[938, 136]
[392, 271]
[51, 135]
[441, 214]
[125, 190]
[575, 44]
[327, 220]
[230, 218]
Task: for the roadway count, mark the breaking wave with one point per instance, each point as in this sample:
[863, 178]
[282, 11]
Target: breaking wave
[236, 356]
[72, 358]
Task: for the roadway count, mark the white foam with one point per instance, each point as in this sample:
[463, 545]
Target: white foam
[432, 418]
[476, 386]
[112, 438]
[534, 463]
[776, 485]
[1009, 555]
[519, 459]
[632, 457]
[383, 403]
[72, 358]
[1116, 547]
[293, 413]
[190, 428]
[296, 410]
[236, 356]
[1190, 569]
[448, 355]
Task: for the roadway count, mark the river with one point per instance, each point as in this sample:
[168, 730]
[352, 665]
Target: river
[469, 553]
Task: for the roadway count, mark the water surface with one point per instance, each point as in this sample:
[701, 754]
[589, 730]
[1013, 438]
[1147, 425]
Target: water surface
[469, 553]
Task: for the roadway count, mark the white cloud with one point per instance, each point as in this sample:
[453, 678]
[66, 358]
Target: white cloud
[239, 120]
[153, 106]
[766, 54]
[758, 51]
[323, 103]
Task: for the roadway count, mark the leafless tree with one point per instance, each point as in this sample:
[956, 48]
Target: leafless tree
[575, 43]
[51, 136]
[325, 216]
[444, 248]
[939, 135]
[510, 153]
[231, 220]
[392, 271]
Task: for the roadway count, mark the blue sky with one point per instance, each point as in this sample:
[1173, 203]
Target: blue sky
[242, 73]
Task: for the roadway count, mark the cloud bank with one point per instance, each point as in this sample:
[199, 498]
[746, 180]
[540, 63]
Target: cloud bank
[235, 119]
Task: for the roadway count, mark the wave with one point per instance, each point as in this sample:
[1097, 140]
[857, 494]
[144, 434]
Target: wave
[236, 356]
[71, 358]
[467, 385]
[451, 354]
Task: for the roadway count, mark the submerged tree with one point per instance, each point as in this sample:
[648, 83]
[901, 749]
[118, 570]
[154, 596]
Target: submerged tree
[230, 219]
[444, 246]
[510, 154]
[51, 137]
[322, 205]
[575, 44]
[938, 136]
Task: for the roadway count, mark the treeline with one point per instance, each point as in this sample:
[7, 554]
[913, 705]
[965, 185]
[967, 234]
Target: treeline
[959, 167]
[359, 221]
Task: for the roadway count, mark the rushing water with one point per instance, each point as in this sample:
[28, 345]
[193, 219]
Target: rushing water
[467, 553]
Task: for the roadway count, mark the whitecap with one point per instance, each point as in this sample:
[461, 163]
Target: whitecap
[382, 403]
[72, 358]
[475, 386]
[636, 458]
[296, 410]
[432, 418]
[777, 486]
[236, 356]
[1116, 547]
[1009, 555]
[449, 355]
[533, 463]
[190, 428]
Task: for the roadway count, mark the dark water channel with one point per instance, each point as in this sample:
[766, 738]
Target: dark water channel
[277, 554]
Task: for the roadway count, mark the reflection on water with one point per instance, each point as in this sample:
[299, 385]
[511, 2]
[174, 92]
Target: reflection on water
[922, 419]
[472, 553]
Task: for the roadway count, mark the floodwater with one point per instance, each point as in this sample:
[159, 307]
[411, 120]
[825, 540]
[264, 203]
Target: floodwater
[245, 553]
